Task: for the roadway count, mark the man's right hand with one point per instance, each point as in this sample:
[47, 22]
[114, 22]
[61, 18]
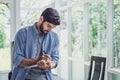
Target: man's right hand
[42, 64]
[45, 57]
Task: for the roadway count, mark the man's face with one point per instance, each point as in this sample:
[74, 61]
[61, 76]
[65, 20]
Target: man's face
[47, 27]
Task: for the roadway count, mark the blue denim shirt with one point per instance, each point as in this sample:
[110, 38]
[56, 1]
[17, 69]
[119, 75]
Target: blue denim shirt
[25, 46]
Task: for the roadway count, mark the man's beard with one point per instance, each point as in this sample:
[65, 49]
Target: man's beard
[41, 29]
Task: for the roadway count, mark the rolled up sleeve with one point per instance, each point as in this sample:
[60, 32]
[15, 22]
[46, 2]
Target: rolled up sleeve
[18, 48]
[55, 51]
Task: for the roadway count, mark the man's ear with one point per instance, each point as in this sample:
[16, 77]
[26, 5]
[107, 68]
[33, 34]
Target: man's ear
[41, 18]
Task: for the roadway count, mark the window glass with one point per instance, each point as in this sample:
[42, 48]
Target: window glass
[64, 33]
[35, 3]
[116, 31]
[63, 2]
[97, 28]
[29, 16]
[77, 42]
[5, 53]
[77, 30]
[30, 11]
[63, 36]
[74, 1]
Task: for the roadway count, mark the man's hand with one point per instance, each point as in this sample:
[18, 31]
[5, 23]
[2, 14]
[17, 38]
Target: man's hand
[51, 64]
[43, 64]
[45, 57]
[46, 62]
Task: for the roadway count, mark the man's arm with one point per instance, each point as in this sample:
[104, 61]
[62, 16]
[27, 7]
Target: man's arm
[51, 64]
[55, 52]
[19, 58]
[28, 62]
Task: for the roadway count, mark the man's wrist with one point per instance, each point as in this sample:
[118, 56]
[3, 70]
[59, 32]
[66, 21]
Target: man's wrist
[52, 65]
[34, 60]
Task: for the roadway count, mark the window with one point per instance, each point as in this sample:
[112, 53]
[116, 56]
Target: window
[35, 4]
[63, 36]
[64, 33]
[77, 30]
[71, 41]
[63, 2]
[5, 53]
[97, 28]
[116, 31]
[30, 11]
[77, 42]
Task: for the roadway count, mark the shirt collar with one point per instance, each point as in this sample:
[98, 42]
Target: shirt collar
[35, 29]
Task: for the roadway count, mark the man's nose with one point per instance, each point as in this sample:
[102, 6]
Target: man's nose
[49, 29]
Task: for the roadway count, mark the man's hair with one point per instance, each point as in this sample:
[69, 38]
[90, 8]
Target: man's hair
[51, 15]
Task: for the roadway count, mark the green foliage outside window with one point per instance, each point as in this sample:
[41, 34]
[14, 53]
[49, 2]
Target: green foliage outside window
[116, 31]
[3, 17]
[97, 28]
[2, 37]
[77, 30]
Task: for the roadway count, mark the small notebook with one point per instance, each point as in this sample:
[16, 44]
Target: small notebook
[28, 67]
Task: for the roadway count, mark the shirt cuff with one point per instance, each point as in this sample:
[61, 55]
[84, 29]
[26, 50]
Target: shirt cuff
[18, 60]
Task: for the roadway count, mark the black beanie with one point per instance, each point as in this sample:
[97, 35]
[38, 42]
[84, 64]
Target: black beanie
[51, 15]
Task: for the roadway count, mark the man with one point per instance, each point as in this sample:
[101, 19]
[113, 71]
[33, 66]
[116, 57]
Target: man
[36, 49]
